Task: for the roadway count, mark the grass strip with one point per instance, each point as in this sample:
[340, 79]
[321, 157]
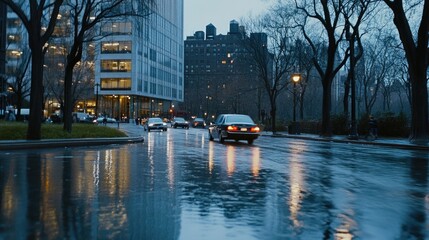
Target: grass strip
[18, 131]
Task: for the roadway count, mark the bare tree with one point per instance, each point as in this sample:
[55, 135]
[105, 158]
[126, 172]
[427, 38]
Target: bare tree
[39, 18]
[20, 82]
[85, 16]
[303, 56]
[273, 56]
[328, 14]
[334, 17]
[415, 43]
[17, 78]
[378, 68]
[54, 75]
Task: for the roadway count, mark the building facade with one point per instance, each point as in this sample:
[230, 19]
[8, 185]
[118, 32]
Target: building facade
[220, 75]
[3, 18]
[139, 65]
[14, 51]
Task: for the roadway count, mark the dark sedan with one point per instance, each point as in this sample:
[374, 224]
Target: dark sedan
[234, 126]
[155, 124]
[199, 122]
[179, 122]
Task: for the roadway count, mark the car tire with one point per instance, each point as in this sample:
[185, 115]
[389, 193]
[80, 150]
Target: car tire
[221, 138]
[210, 137]
[148, 130]
[175, 126]
[165, 129]
[250, 141]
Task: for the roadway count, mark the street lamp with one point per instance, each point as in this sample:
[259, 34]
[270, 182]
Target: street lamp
[296, 77]
[151, 108]
[207, 105]
[97, 85]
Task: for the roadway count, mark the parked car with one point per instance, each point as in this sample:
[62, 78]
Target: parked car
[81, 117]
[234, 126]
[179, 122]
[155, 123]
[108, 120]
[199, 122]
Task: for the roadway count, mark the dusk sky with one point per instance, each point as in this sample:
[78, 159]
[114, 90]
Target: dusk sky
[199, 13]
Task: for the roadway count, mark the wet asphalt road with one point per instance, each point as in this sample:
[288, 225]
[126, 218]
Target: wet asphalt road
[179, 185]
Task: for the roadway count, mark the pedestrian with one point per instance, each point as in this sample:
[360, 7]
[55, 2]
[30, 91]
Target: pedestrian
[104, 120]
[373, 127]
[137, 120]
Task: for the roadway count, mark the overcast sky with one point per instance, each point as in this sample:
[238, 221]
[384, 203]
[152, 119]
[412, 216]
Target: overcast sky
[199, 13]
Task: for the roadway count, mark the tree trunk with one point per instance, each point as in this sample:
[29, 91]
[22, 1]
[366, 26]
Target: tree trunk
[36, 93]
[346, 95]
[273, 113]
[419, 133]
[326, 130]
[68, 99]
[417, 57]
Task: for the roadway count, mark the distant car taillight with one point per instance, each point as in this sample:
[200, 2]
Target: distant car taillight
[232, 128]
[255, 129]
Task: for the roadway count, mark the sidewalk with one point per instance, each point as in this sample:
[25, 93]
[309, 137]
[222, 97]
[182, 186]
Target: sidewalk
[401, 143]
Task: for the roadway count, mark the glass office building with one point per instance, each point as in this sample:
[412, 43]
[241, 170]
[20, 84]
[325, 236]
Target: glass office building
[139, 65]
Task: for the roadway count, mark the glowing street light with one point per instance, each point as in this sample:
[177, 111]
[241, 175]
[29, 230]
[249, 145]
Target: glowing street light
[296, 77]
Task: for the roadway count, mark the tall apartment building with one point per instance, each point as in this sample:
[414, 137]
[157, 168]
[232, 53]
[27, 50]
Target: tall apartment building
[12, 44]
[139, 65]
[220, 76]
[3, 18]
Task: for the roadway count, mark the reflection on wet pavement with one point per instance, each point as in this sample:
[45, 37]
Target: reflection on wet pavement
[179, 185]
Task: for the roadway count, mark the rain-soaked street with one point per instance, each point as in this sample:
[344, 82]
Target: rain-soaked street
[179, 185]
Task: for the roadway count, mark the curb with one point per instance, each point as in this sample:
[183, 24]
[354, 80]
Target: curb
[375, 143]
[74, 142]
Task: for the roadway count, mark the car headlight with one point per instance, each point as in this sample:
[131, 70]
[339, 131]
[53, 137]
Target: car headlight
[150, 124]
[164, 124]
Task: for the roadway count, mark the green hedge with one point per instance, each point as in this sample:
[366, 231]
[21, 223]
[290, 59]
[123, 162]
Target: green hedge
[389, 125]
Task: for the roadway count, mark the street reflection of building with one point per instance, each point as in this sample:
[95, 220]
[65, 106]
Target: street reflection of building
[96, 195]
[220, 75]
[139, 65]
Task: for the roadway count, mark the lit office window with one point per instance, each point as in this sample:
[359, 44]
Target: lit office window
[116, 65]
[116, 28]
[116, 47]
[116, 83]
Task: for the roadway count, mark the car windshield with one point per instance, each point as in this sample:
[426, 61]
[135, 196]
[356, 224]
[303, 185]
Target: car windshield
[179, 119]
[155, 120]
[238, 119]
[199, 119]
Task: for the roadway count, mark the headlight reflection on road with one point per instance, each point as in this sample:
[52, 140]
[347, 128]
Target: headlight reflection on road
[296, 179]
[230, 160]
[256, 161]
[211, 156]
[170, 161]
